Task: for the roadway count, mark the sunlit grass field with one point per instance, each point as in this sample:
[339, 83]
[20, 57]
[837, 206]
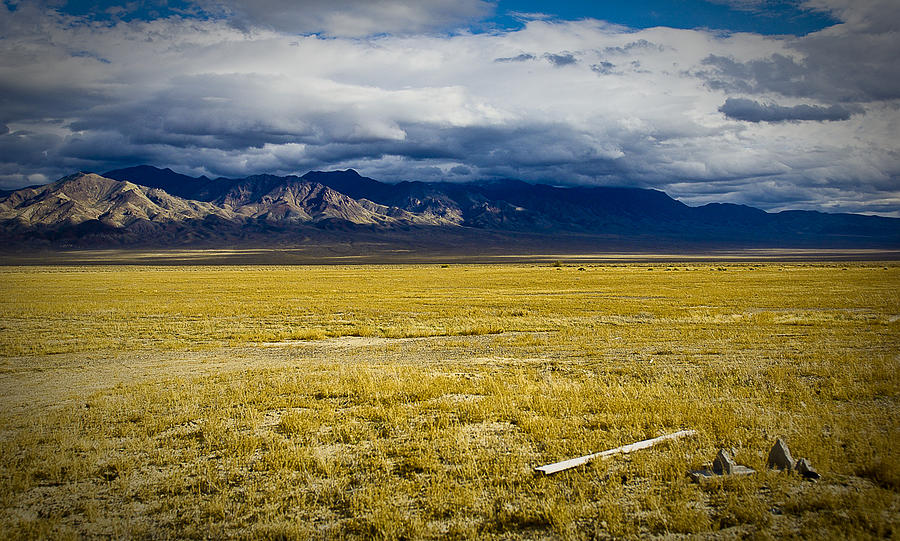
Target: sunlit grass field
[414, 401]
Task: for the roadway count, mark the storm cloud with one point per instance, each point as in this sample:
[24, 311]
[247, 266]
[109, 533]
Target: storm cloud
[753, 111]
[778, 122]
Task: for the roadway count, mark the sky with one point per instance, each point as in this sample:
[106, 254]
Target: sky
[778, 104]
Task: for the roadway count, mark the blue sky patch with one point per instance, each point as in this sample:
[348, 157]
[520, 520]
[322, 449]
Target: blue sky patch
[779, 17]
[775, 17]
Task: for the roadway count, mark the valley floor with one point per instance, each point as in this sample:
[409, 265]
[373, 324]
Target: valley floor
[414, 401]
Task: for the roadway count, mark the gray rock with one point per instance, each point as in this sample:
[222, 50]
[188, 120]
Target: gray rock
[780, 457]
[805, 469]
[724, 464]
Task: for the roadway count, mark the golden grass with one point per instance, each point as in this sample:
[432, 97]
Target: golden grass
[62, 310]
[465, 379]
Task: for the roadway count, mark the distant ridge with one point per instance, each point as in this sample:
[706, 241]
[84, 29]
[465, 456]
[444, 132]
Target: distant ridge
[165, 179]
[147, 206]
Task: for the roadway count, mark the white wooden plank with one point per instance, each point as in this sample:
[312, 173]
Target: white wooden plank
[572, 462]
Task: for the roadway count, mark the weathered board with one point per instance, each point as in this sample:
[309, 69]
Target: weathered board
[573, 462]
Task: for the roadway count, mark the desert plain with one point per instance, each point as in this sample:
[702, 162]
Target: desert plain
[413, 401]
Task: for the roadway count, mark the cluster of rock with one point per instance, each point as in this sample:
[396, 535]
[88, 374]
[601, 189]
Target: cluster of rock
[779, 458]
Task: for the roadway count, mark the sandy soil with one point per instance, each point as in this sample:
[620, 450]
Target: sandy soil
[30, 385]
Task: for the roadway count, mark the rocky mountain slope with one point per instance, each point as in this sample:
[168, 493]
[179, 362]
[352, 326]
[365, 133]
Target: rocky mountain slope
[149, 206]
[84, 197]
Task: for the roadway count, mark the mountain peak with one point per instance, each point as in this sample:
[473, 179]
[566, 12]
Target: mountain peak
[88, 186]
[349, 182]
[346, 173]
[82, 176]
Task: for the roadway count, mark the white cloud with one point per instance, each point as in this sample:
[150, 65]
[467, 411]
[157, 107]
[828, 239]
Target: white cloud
[203, 96]
[350, 18]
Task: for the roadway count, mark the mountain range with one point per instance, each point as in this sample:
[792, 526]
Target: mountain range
[146, 206]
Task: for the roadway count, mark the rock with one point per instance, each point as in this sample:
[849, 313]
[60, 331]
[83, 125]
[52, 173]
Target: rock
[805, 469]
[780, 456]
[724, 464]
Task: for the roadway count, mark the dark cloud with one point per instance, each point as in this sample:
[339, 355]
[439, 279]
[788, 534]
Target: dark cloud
[234, 118]
[853, 66]
[28, 148]
[25, 98]
[753, 111]
[28, 157]
[561, 59]
[524, 57]
[869, 16]
[829, 66]
[108, 146]
[628, 48]
[778, 73]
[603, 68]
